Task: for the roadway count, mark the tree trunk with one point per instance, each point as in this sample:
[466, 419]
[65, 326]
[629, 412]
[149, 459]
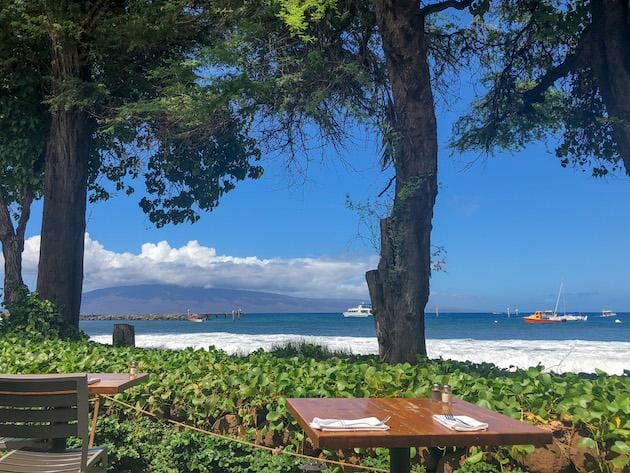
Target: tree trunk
[13, 245]
[60, 272]
[12, 269]
[611, 63]
[399, 288]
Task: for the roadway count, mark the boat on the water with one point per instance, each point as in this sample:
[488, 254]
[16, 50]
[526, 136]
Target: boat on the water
[543, 317]
[608, 313]
[362, 310]
[195, 317]
[551, 316]
[574, 317]
[617, 321]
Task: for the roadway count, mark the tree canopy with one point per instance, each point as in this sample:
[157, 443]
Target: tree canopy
[24, 121]
[554, 67]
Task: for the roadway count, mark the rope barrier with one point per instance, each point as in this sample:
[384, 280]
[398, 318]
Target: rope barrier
[229, 438]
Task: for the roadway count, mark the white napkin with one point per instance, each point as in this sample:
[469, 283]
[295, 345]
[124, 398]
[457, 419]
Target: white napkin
[457, 424]
[342, 425]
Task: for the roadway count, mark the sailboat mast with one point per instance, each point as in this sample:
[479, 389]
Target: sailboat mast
[555, 310]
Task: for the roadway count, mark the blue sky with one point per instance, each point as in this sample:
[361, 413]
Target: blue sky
[514, 226]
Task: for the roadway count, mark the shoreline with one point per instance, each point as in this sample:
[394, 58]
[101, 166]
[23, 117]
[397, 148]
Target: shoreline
[555, 355]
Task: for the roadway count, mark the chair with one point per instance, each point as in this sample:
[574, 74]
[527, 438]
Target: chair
[12, 443]
[47, 407]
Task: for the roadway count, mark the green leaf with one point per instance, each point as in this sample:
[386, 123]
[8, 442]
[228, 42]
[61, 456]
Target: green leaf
[476, 458]
[623, 448]
[587, 442]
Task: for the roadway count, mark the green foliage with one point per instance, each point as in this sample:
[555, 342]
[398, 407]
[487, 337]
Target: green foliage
[308, 70]
[137, 444]
[33, 318]
[539, 83]
[24, 118]
[483, 467]
[154, 116]
[305, 349]
[201, 386]
[297, 13]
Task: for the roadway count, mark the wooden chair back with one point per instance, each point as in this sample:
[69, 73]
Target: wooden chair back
[45, 407]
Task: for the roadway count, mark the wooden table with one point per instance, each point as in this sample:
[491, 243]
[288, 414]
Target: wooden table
[411, 426]
[110, 383]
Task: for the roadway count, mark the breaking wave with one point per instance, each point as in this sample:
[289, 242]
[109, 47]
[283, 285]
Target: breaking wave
[555, 355]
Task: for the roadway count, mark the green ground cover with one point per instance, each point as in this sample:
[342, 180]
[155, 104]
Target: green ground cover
[201, 387]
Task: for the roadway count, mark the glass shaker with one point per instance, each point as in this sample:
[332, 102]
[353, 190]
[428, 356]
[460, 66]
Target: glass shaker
[447, 395]
[436, 393]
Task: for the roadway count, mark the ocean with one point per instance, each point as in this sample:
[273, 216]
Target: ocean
[598, 343]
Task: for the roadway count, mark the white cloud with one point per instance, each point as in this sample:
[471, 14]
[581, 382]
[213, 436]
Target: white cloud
[196, 265]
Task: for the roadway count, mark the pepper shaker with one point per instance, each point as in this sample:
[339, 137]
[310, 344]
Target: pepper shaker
[133, 370]
[447, 396]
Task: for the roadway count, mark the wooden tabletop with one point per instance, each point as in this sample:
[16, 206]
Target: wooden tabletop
[114, 383]
[411, 424]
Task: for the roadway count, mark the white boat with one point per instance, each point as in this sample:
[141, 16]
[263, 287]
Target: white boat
[574, 317]
[617, 321]
[550, 316]
[195, 317]
[362, 310]
[608, 313]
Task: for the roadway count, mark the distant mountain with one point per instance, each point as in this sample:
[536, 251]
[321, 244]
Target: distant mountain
[170, 299]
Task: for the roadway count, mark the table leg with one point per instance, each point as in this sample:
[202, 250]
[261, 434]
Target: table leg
[399, 460]
[97, 406]
[58, 445]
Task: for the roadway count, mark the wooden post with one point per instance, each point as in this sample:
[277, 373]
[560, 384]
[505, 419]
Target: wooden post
[124, 334]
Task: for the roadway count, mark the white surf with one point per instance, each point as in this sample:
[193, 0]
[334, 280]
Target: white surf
[555, 355]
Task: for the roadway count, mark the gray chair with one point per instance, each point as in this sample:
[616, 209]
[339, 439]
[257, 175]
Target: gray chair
[12, 443]
[47, 407]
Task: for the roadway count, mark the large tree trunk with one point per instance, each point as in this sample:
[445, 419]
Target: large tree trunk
[611, 63]
[399, 288]
[12, 239]
[60, 272]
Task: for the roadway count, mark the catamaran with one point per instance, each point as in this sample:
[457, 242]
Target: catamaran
[551, 316]
[608, 313]
[362, 310]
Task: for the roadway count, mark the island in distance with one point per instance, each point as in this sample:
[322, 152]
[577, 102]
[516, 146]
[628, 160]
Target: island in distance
[170, 299]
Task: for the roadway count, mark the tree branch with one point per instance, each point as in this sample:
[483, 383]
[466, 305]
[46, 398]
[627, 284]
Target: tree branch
[389, 184]
[25, 213]
[441, 6]
[535, 94]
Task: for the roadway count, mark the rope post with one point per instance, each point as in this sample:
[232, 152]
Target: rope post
[124, 335]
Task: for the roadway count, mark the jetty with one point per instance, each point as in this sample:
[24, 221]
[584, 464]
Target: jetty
[234, 315]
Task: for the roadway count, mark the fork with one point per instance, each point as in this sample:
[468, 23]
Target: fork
[448, 414]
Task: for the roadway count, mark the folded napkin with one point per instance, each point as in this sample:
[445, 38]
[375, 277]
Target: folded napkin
[461, 423]
[349, 425]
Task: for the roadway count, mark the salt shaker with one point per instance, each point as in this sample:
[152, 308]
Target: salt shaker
[133, 370]
[447, 396]
[436, 393]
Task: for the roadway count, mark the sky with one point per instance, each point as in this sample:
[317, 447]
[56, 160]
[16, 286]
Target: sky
[514, 227]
